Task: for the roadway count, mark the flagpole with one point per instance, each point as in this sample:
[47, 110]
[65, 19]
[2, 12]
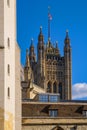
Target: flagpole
[48, 23]
[48, 29]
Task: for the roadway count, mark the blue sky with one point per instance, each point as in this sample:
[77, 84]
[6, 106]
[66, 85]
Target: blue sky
[66, 14]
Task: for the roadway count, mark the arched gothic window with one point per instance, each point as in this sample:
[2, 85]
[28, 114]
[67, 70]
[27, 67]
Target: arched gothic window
[55, 88]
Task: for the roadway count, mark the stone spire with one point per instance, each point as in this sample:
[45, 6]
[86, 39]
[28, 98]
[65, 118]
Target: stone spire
[27, 59]
[40, 37]
[68, 69]
[32, 53]
[27, 68]
[56, 44]
[67, 40]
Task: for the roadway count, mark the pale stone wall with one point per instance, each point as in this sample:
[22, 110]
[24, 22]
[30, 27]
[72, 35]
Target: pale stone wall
[1, 65]
[1, 23]
[1, 90]
[9, 79]
[7, 57]
[17, 89]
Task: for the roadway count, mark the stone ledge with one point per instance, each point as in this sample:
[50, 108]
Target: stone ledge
[63, 121]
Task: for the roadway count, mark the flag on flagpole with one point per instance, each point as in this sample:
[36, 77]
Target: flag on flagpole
[49, 16]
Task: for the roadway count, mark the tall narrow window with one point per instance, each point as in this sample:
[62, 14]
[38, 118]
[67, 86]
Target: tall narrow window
[8, 92]
[54, 88]
[8, 69]
[60, 90]
[8, 3]
[8, 42]
[49, 87]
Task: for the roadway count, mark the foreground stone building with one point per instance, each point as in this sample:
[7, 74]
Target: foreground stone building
[10, 87]
[67, 115]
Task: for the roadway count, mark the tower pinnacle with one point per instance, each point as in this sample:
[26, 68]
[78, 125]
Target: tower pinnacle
[40, 29]
[67, 40]
[40, 37]
[32, 41]
[27, 59]
[56, 44]
[67, 31]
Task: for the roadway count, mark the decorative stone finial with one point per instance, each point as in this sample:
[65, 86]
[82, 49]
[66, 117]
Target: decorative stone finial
[67, 31]
[26, 51]
[56, 44]
[49, 39]
[32, 40]
[67, 39]
[40, 29]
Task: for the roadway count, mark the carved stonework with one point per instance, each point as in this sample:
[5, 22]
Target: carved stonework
[52, 67]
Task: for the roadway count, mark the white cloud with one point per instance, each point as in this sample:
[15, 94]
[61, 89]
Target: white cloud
[79, 90]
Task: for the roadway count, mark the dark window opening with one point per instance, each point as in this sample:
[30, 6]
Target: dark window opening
[8, 42]
[8, 69]
[8, 3]
[49, 87]
[53, 113]
[60, 90]
[8, 92]
[54, 88]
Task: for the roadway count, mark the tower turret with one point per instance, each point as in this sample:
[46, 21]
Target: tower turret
[67, 40]
[27, 68]
[40, 46]
[41, 56]
[40, 37]
[49, 45]
[32, 55]
[67, 58]
[27, 59]
[57, 49]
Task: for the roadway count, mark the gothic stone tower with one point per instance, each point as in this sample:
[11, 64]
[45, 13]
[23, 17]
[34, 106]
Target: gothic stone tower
[53, 71]
[10, 90]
